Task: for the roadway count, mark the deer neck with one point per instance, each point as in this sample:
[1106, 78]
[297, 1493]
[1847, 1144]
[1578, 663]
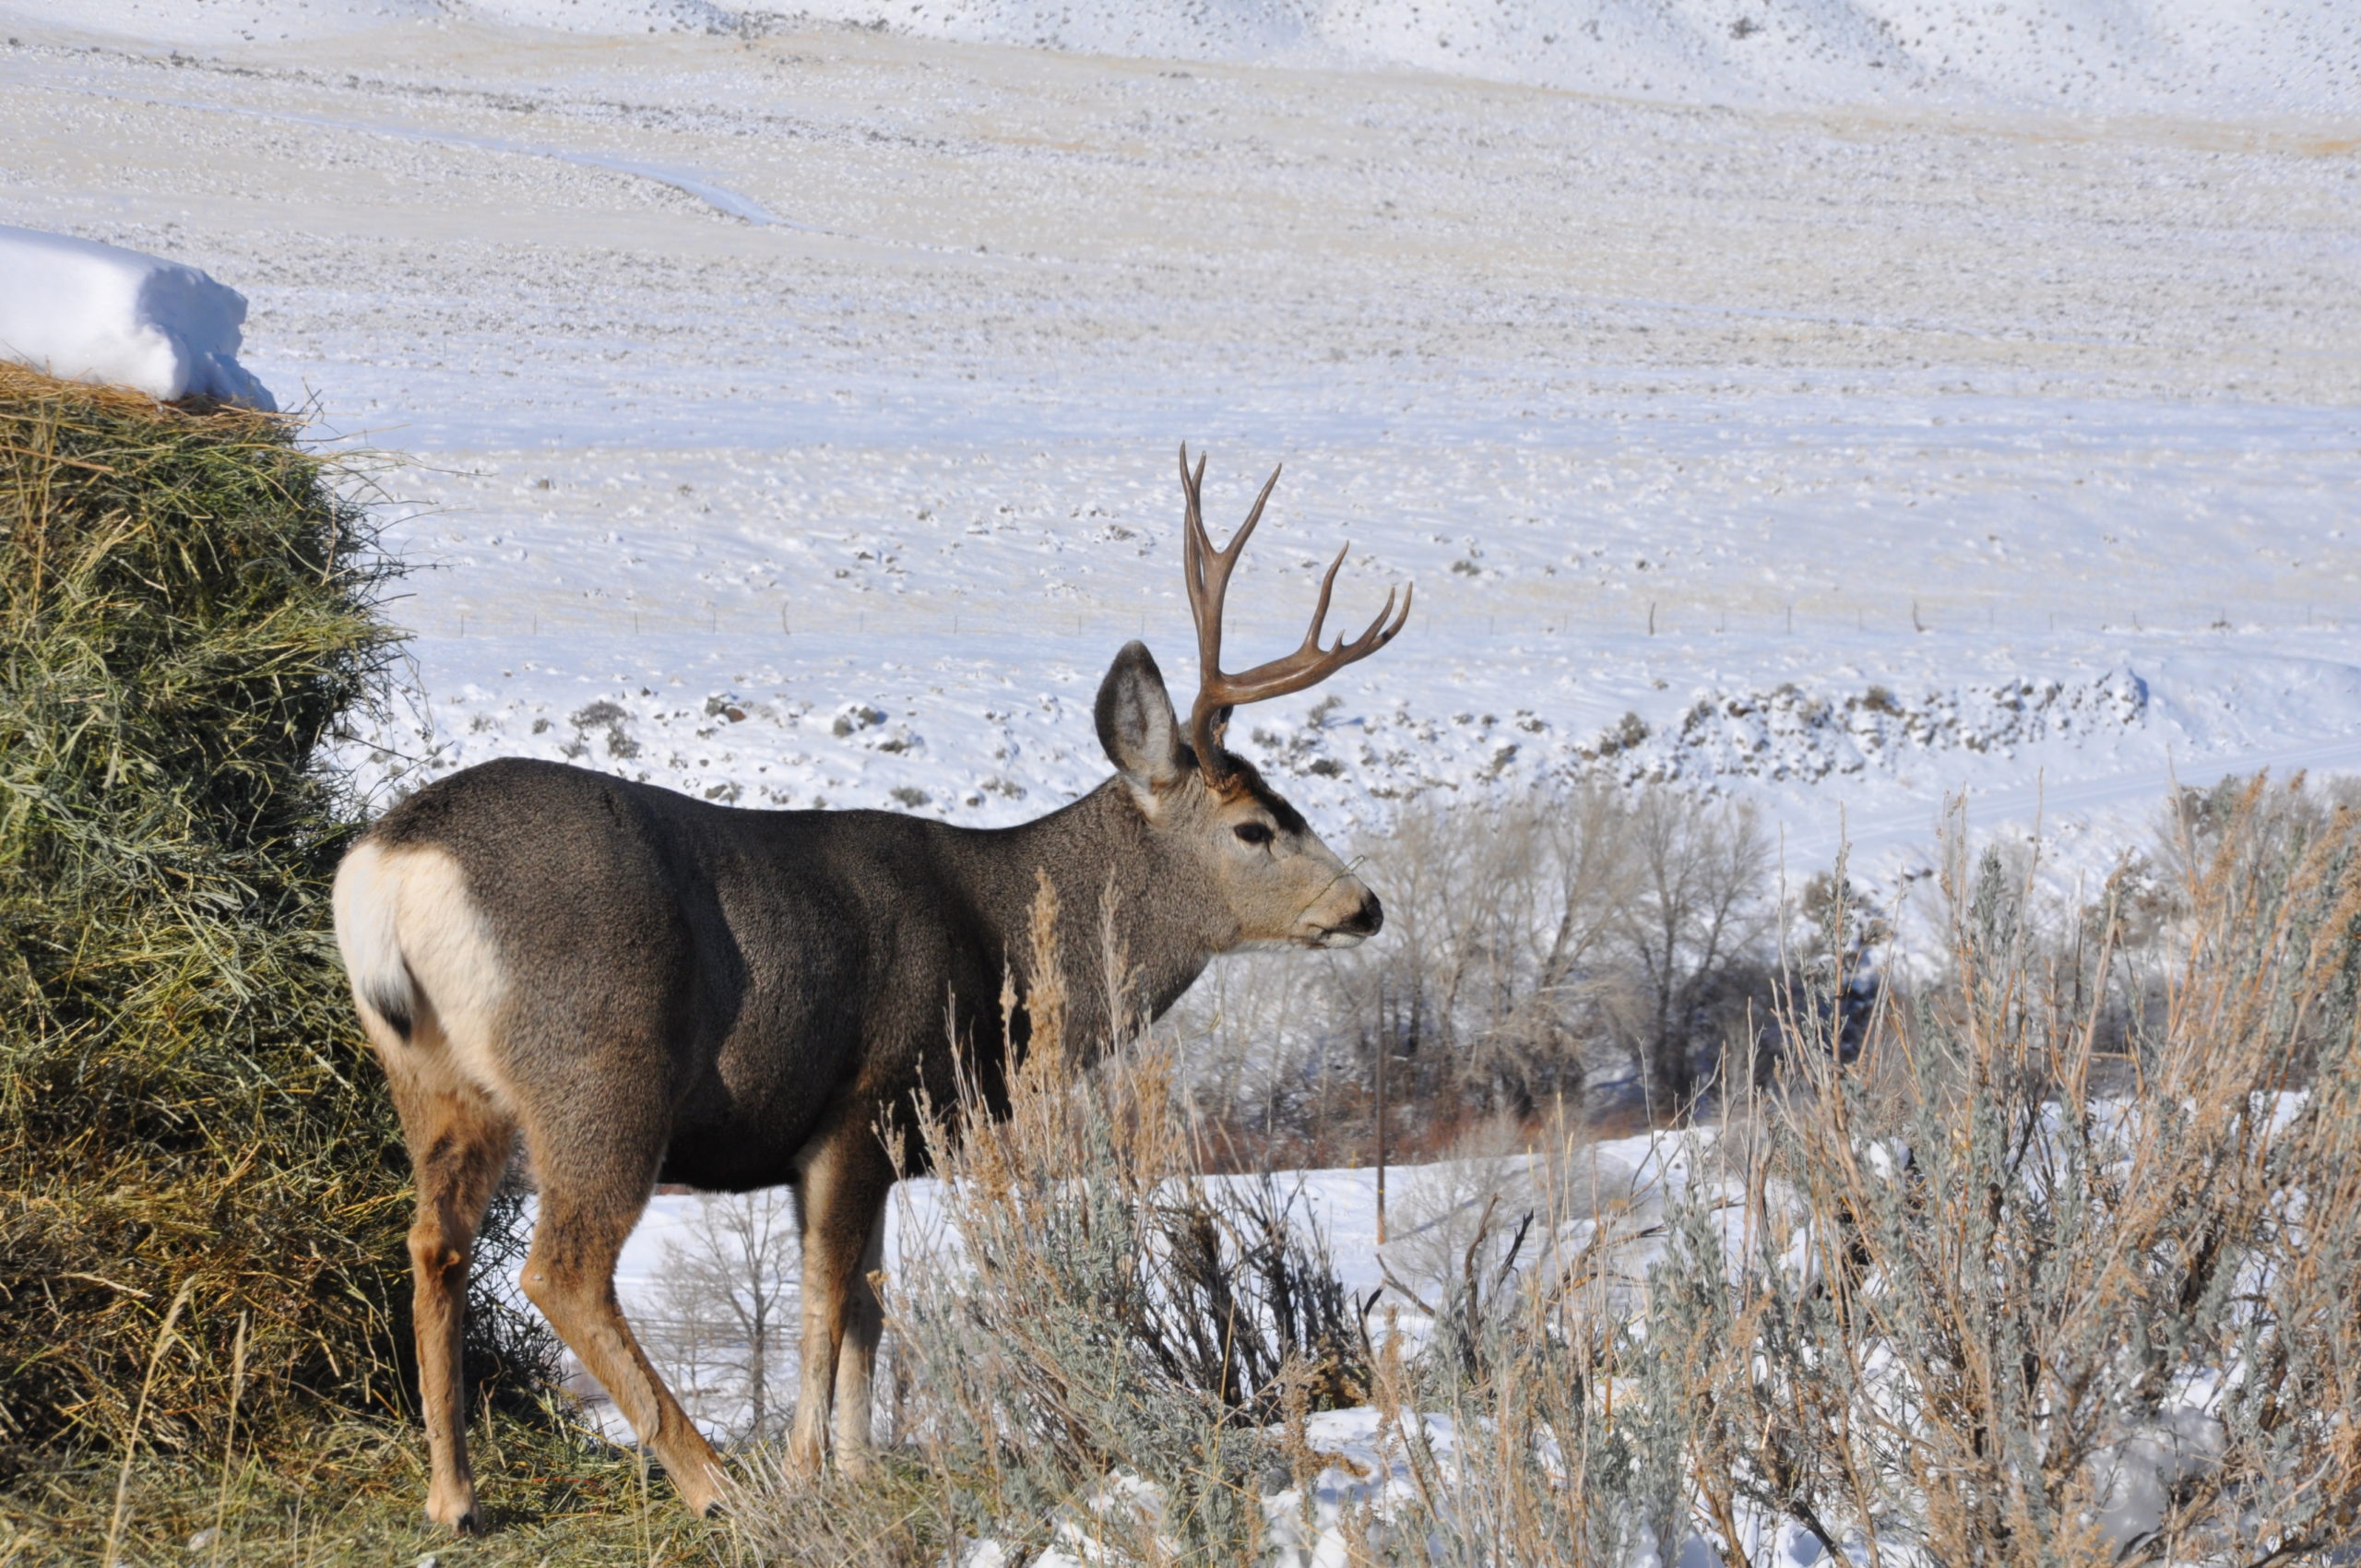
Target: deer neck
[1132, 915]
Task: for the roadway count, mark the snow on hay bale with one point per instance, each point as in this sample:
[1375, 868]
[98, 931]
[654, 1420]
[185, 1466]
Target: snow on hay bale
[188, 605]
[87, 312]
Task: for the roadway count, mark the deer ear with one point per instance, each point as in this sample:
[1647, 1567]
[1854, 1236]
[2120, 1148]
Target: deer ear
[1135, 719]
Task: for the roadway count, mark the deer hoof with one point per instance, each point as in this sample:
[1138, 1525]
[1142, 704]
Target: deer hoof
[460, 1515]
[708, 1501]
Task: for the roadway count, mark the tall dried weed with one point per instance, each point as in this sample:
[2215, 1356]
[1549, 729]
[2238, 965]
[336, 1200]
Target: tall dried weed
[1096, 1361]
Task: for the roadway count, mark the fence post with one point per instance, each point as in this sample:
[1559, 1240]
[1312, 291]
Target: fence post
[1381, 1127]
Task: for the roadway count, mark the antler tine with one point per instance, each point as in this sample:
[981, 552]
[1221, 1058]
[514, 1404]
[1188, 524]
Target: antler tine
[1310, 664]
[1207, 571]
[1190, 485]
[1206, 585]
[1327, 586]
[1254, 513]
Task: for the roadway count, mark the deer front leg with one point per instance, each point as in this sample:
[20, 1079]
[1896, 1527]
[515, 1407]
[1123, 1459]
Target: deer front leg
[840, 1195]
[857, 1357]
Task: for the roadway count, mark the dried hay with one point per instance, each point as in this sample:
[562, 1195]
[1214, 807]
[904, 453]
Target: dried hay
[188, 605]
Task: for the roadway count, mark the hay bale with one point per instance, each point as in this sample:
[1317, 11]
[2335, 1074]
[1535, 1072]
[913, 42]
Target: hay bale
[188, 606]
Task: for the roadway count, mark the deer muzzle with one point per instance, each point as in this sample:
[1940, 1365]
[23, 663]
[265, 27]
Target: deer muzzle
[1363, 922]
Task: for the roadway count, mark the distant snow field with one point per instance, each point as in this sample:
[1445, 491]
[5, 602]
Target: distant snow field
[792, 407]
[2296, 56]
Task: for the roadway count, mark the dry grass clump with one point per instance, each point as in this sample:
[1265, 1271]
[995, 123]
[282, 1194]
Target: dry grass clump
[188, 1127]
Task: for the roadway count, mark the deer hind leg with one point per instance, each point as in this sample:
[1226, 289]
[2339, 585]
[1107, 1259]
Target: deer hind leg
[840, 1195]
[592, 1194]
[459, 1147]
[857, 1357]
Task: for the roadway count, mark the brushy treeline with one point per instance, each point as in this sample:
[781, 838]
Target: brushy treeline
[189, 1129]
[1533, 949]
[2055, 1264]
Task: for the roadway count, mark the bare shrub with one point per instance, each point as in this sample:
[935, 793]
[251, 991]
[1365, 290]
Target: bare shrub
[1481, 996]
[1459, 1214]
[1695, 906]
[1990, 1316]
[1977, 1294]
[1501, 911]
[1107, 1335]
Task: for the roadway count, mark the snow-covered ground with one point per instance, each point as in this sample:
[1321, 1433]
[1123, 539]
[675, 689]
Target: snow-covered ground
[793, 408]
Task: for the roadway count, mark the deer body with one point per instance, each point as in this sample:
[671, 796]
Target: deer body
[645, 987]
[759, 952]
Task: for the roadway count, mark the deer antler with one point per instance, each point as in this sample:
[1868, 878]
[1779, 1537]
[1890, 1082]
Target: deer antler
[1206, 571]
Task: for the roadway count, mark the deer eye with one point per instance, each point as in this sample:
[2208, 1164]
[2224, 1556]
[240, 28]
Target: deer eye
[1253, 832]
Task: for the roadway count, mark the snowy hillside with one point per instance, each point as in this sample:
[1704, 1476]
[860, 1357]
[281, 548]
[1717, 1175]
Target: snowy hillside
[2296, 56]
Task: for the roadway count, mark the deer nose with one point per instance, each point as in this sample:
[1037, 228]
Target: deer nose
[1368, 919]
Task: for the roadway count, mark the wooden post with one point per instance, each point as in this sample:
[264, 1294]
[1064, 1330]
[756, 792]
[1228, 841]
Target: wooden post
[1381, 1054]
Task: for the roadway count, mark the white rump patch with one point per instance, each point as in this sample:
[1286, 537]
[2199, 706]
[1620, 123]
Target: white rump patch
[414, 941]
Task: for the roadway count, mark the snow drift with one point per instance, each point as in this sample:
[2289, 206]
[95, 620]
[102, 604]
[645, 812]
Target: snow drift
[87, 312]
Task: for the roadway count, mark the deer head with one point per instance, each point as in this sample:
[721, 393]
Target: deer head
[1276, 884]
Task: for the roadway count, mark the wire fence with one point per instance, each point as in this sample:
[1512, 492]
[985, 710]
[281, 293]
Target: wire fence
[1619, 617]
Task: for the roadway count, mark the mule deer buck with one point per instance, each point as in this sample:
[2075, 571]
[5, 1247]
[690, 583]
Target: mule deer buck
[647, 987]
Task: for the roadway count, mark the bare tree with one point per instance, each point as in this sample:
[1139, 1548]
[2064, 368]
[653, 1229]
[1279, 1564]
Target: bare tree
[729, 1302]
[1529, 940]
[1503, 911]
[1695, 902]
